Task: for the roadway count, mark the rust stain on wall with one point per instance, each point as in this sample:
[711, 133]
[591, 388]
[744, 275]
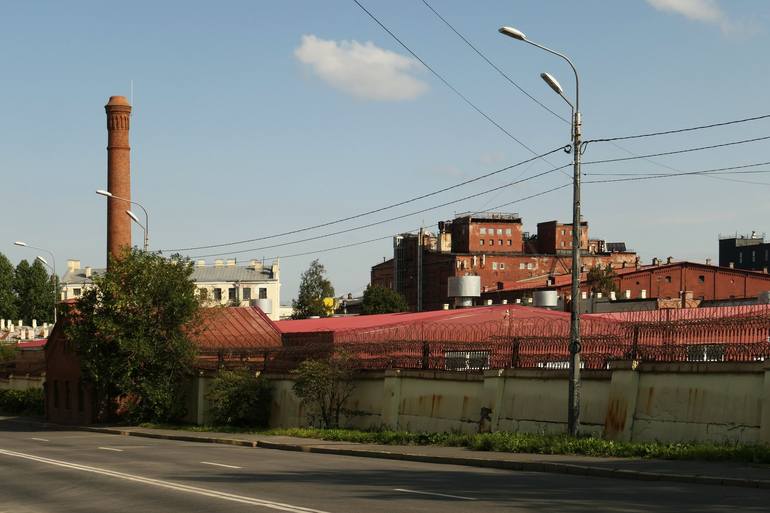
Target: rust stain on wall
[615, 422]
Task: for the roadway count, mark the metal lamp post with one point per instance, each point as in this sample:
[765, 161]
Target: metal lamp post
[573, 413]
[52, 267]
[145, 227]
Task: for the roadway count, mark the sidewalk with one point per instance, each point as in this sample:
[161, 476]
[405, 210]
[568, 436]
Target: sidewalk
[703, 472]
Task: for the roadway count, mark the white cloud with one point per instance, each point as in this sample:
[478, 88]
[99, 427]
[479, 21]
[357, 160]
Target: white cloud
[363, 70]
[706, 11]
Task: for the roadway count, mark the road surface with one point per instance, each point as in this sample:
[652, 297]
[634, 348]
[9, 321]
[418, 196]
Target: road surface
[62, 471]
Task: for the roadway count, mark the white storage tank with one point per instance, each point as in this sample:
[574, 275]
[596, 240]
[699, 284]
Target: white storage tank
[464, 289]
[546, 298]
[265, 304]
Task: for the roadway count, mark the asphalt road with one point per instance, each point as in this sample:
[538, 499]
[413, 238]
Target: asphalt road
[61, 471]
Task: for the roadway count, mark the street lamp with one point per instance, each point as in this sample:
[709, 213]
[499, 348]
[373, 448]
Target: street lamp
[52, 267]
[145, 227]
[573, 412]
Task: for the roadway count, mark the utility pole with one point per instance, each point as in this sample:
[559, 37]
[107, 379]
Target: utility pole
[419, 270]
[573, 409]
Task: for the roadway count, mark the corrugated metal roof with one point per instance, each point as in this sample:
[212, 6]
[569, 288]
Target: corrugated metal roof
[463, 316]
[235, 328]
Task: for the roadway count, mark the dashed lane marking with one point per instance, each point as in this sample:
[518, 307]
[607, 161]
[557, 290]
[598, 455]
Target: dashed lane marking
[254, 501]
[39, 439]
[219, 464]
[110, 449]
[434, 493]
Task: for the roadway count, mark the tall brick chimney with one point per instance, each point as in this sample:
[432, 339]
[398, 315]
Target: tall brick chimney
[118, 175]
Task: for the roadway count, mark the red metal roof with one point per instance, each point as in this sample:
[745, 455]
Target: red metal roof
[235, 328]
[31, 344]
[465, 316]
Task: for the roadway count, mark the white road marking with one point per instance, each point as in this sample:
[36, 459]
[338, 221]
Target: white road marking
[110, 449]
[219, 464]
[434, 493]
[40, 439]
[166, 484]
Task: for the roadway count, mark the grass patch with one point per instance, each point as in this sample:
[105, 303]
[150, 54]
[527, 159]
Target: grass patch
[517, 442]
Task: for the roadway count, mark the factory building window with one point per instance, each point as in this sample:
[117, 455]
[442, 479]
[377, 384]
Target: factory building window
[494, 266]
[753, 256]
[530, 265]
[246, 293]
[500, 242]
[668, 279]
[218, 294]
[481, 242]
[701, 279]
[76, 292]
[262, 293]
[502, 266]
[204, 293]
[510, 242]
[483, 231]
[522, 265]
[499, 231]
[491, 242]
[508, 231]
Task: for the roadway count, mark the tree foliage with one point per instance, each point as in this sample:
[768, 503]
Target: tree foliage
[35, 293]
[240, 398]
[7, 294]
[380, 300]
[313, 288]
[131, 331]
[602, 280]
[323, 387]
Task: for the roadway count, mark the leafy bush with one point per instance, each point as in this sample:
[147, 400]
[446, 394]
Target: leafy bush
[323, 387]
[21, 402]
[240, 398]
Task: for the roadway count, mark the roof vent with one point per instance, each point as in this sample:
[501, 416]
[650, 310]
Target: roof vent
[230, 262]
[219, 263]
[200, 263]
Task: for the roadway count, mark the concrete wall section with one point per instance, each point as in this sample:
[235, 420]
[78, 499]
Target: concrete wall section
[716, 402]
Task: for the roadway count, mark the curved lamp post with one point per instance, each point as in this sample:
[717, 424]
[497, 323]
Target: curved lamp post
[52, 267]
[145, 227]
[573, 413]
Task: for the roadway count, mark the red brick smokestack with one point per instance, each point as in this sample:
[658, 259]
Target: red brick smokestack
[118, 175]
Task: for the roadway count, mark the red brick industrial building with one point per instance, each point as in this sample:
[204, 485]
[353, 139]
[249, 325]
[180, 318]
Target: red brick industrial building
[492, 246]
[670, 280]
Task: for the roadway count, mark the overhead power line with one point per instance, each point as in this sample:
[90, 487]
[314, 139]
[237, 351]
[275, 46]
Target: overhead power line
[680, 130]
[374, 211]
[677, 152]
[377, 239]
[444, 80]
[704, 172]
[390, 219]
[496, 68]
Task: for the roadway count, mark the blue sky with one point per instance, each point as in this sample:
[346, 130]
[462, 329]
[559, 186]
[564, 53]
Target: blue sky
[254, 118]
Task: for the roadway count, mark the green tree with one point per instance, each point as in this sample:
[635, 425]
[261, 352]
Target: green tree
[323, 387]
[240, 398]
[380, 300]
[313, 288]
[602, 280]
[7, 294]
[35, 295]
[132, 330]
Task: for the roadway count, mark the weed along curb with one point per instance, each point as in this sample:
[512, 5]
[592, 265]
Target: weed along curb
[530, 466]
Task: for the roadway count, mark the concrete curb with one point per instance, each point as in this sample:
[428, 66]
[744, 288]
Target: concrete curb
[529, 466]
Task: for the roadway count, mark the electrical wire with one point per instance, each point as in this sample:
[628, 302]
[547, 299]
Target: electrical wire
[677, 152]
[705, 172]
[680, 130]
[374, 211]
[360, 243]
[445, 81]
[390, 219]
[496, 68]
